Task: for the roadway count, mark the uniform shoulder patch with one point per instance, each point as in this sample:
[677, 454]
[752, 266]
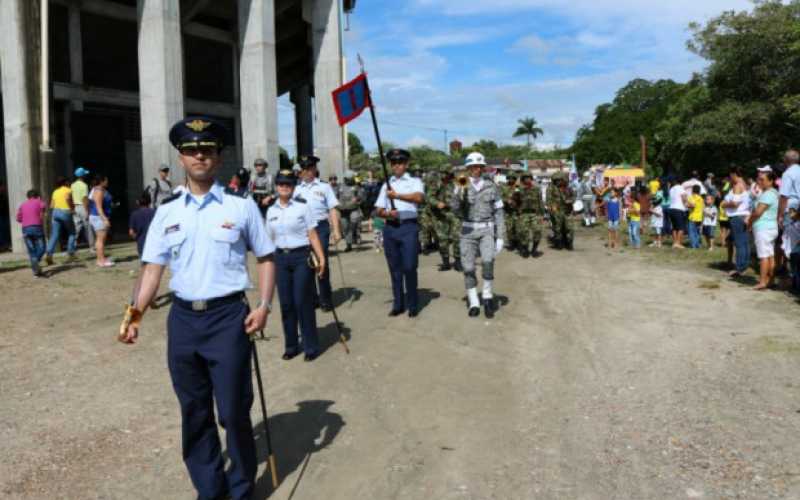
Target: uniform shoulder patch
[233, 192]
[170, 198]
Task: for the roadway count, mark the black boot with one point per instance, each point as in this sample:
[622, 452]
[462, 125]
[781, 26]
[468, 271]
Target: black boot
[568, 244]
[349, 248]
[457, 265]
[445, 263]
[489, 307]
[535, 251]
[474, 312]
[523, 252]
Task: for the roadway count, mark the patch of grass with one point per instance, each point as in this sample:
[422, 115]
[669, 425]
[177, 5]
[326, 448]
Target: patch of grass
[778, 344]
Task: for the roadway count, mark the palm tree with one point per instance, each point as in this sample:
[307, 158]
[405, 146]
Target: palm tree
[528, 127]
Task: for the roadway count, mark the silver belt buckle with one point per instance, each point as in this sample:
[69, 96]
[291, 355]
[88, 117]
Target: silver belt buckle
[199, 305]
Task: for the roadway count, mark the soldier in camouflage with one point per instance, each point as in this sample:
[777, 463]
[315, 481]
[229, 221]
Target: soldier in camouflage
[427, 228]
[559, 203]
[528, 199]
[510, 210]
[478, 204]
[446, 224]
[350, 196]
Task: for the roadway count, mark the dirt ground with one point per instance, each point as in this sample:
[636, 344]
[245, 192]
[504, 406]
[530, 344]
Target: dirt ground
[603, 376]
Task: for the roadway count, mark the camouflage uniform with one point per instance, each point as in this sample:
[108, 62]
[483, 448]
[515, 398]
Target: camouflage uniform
[529, 223]
[446, 224]
[427, 228]
[559, 202]
[511, 212]
[350, 196]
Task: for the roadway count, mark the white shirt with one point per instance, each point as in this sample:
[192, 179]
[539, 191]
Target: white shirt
[403, 185]
[790, 183]
[319, 196]
[288, 225]
[743, 207]
[676, 194]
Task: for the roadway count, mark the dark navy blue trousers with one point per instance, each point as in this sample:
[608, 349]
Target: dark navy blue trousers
[295, 291]
[208, 354]
[325, 294]
[401, 246]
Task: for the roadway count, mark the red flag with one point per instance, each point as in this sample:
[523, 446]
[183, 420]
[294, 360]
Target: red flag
[351, 99]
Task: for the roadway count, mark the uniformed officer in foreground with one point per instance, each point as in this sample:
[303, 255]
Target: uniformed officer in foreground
[323, 202]
[203, 234]
[480, 206]
[401, 234]
[292, 227]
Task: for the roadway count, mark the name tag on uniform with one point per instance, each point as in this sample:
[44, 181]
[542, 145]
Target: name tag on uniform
[273, 218]
[172, 229]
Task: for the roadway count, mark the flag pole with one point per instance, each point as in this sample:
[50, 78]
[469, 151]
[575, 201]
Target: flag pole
[375, 126]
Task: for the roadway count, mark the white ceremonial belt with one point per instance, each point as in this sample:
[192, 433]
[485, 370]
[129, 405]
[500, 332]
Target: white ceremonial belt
[478, 225]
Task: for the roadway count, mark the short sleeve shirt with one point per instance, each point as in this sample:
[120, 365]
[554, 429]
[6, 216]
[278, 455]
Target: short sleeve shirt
[79, 191]
[768, 219]
[60, 198]
[790, 183]
[205, 240]
[319, 197]
[403, 185]
[676, 198]
[696, 213]
[288, 225]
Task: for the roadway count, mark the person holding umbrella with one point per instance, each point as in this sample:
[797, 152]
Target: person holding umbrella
[292, 227]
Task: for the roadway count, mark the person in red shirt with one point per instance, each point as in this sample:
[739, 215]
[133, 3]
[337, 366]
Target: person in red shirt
[31, 214]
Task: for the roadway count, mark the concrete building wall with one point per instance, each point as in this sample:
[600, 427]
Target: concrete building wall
[276, 46]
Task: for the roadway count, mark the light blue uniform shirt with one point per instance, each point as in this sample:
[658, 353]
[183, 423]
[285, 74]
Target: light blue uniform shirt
[404, 185]
[288, 226]
[205, 243]
[319, 196]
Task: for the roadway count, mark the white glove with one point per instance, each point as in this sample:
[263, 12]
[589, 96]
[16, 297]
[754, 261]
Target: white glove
[498, 247]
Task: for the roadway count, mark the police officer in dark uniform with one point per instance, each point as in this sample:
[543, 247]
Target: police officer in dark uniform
[292, 226]
[401, 234]
[203, 234]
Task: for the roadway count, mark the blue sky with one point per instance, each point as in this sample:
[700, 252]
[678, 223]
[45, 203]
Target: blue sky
[474, 67]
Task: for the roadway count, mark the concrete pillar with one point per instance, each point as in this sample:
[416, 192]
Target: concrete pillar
[327, 44]
[161, 90]
[19, 66]
[258, 82]
[303, 119]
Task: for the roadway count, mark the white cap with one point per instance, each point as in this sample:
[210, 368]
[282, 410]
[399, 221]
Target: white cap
[475, 159]
[765, 168]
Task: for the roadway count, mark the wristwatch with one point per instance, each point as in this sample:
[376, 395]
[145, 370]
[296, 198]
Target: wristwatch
[264, 304]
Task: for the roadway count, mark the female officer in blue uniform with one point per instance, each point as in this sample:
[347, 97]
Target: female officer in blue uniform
[203, 234]
[401, 235]
[292, 227]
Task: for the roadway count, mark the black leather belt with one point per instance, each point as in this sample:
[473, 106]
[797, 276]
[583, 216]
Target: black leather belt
[293, 250]
[205, 305]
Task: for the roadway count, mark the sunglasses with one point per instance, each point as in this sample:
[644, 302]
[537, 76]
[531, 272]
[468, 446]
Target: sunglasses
[194, 150]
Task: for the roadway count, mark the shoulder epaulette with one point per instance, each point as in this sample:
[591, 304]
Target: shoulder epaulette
[171, 198]
[233, 192]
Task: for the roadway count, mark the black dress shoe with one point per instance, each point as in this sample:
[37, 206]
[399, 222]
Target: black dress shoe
[413, 313]
[326, 307]
[310, 357]
[290, 355]
[396, 312]
[474, 312]
[489, 308]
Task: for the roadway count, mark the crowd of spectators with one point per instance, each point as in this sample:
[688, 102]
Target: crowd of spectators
[752, 218]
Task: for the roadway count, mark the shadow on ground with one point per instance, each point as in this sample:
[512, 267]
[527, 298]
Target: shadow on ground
[329, 335]
[296, 436]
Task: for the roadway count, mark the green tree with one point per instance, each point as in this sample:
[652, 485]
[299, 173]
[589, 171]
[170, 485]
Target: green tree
[354, 144]
[528, 128]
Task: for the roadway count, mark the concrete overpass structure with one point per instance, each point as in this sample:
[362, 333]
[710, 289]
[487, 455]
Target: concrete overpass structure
[121, 72]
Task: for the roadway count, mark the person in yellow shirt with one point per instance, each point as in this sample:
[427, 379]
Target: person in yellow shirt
[634, 222]
[80, 198]
[696, 205]
[62, 209]
[655, 186]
